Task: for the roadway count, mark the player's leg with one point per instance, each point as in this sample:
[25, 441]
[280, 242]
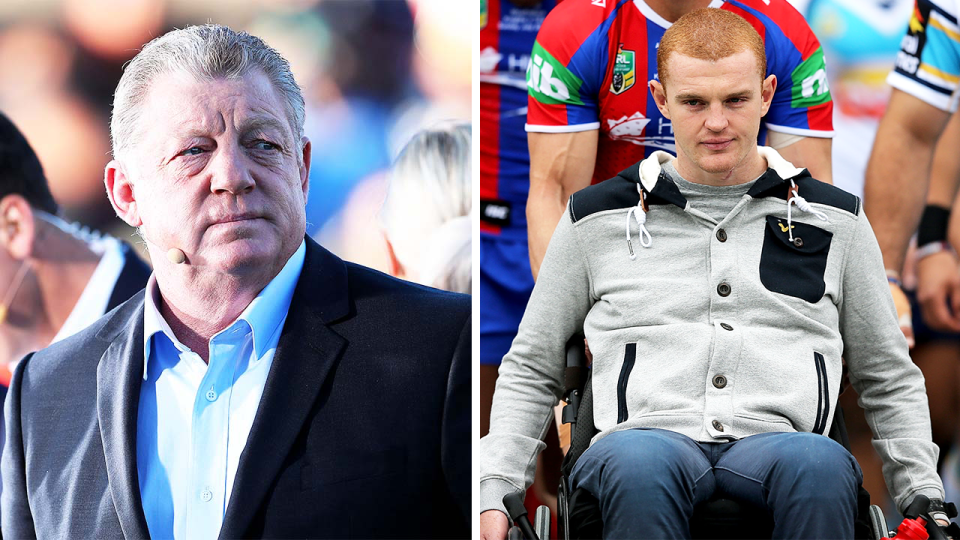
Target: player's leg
[647, 482]
[808, 482]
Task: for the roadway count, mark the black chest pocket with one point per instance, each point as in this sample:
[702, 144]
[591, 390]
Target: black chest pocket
[794, 268]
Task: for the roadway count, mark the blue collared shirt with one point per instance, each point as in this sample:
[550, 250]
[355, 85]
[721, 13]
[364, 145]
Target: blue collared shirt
[194, 418]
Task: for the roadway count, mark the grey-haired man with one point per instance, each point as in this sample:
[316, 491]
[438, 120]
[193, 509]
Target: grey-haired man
[256, 387]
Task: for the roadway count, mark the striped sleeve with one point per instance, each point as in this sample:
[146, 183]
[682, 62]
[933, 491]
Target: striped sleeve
[568, 65]
[928, 64]
[802, 104]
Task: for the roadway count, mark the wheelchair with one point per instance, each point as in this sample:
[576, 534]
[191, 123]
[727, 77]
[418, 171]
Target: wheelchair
[720, 517]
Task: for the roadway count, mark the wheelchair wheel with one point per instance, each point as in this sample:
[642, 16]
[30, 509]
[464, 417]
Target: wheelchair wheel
[563, 510]
[878, 524]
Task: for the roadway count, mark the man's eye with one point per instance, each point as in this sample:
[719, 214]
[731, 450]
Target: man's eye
[266, 145]
[192, 151]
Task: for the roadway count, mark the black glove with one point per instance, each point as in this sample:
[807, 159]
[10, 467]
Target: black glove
[932, 510]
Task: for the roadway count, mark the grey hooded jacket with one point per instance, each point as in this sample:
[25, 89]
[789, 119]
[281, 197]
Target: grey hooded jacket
[714, 330]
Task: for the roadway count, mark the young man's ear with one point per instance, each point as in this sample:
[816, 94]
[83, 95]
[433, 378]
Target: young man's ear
[17, 228]
[659, 94]
[767, 89]
[120, 191]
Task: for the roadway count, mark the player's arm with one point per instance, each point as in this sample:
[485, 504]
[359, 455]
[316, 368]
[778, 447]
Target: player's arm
[938, 268]
[799, 121]
[895, 187]
[560, 165]
[566, 73]
[945, 170]
[811, 153]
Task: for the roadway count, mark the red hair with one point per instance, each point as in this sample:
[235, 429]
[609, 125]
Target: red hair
[710, 34]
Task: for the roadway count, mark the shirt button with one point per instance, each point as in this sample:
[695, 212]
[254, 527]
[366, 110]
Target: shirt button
[206, 495]
[798, 242]
[719, 381]
[722, 235]
[723, 289]
[211, 395]
[726, 326]
[717, 425]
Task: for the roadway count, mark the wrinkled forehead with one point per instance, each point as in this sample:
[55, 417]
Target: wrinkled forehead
[181, 101]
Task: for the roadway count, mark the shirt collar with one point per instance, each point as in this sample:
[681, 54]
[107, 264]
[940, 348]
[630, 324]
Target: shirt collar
[265, 314]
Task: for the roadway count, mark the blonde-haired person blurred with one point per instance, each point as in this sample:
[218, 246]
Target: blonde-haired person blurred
[426, 213]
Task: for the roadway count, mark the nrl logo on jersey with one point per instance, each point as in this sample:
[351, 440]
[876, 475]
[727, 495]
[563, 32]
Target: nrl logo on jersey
[624, 71]
[483, 14]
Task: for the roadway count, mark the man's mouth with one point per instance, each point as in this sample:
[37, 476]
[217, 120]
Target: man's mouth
[234, 218]
[716, 144]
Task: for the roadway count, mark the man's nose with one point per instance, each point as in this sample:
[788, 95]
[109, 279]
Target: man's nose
[230, 173]
[716, 118]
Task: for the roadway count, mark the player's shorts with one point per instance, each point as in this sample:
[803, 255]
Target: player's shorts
[921, 332]
[505, 285]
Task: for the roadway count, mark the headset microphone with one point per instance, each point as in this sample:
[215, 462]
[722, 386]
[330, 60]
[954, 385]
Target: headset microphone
[176, 256]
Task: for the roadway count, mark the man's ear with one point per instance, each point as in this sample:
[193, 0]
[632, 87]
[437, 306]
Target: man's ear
[305, 166]
[17, 228]
[767, 89]
[396, 269]
[659, 97]
[120, 191]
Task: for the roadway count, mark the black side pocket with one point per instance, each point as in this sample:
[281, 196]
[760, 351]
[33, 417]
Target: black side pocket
[823, 395]
[794, 268]
[629, 358]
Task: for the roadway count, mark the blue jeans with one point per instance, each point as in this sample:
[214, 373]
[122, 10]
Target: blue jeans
[649, 480]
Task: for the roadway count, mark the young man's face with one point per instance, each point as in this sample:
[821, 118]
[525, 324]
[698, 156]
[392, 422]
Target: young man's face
[715, 109]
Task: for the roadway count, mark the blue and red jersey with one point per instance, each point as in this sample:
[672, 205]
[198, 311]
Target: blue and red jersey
[592, 60]
[506, 38]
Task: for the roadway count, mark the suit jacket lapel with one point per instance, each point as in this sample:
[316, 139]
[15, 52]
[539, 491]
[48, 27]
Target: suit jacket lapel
[305, 355]
[119, 376]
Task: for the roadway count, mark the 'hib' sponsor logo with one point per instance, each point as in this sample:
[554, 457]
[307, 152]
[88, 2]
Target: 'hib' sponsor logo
[636, 129]
[813, 89]
[549, 81]
[816, 83]
[540, 79]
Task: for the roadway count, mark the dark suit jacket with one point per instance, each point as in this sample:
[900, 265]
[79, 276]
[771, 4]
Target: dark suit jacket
[363, 430]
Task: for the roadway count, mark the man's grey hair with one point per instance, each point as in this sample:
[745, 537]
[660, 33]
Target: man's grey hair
[207, 52]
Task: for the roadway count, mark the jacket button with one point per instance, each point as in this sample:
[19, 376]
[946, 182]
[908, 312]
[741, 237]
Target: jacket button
[717, 425]
[723, 289]
[726, 327]
[722, 235]
[720, 381]
[798, 242]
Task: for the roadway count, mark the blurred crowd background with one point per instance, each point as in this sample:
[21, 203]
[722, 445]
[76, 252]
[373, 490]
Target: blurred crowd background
[373, 73]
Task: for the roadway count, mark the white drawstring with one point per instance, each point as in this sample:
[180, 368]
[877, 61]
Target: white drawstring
[802, 205]
[641, 217]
